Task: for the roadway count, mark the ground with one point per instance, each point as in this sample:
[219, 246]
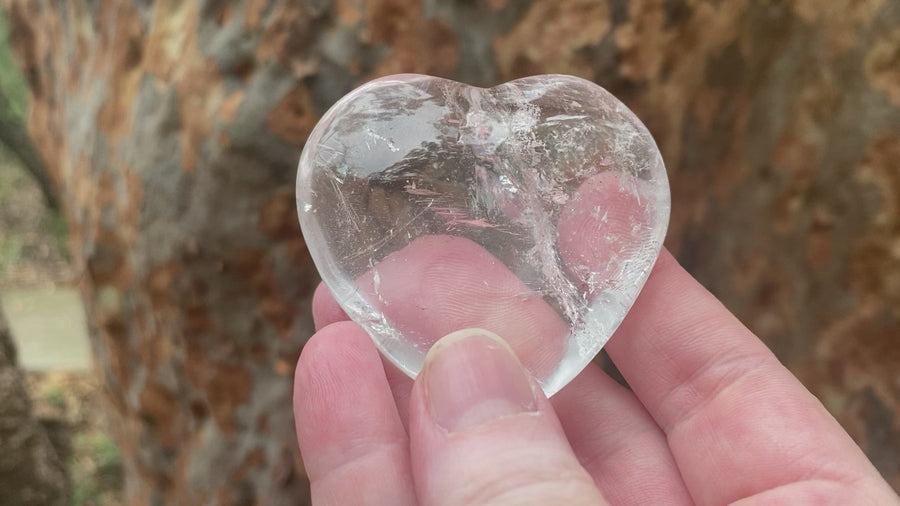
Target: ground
[37, 285]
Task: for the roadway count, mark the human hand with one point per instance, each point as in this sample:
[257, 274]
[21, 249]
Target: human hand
[712, 417]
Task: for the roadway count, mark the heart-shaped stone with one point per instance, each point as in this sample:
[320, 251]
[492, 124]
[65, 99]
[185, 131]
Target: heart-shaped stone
[534, 209]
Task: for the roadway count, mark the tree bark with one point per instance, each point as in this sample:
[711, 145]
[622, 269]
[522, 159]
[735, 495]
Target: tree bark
[31, 473]
[14, 137]
[174, 129]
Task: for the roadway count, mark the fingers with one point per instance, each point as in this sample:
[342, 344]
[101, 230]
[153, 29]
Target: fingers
[440, 284]
[353, 444]
[737, 421]
[605, 232]
[613, 436]
[617, 442]
[732, 414]
[482, 432]
[325, 309]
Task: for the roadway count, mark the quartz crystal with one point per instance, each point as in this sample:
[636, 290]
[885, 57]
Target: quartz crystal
[534, 209]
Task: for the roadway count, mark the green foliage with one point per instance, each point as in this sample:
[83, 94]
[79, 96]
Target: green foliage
[85, 493]
[55, 395]
[98, 473]
[108, 459]
[12, 84]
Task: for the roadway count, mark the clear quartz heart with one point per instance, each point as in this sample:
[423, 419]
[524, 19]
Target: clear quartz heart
[535, 209]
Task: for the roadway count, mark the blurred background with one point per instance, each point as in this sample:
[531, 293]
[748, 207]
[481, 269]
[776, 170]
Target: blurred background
[156, 286]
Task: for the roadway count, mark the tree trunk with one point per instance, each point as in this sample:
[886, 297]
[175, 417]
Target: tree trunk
[174, 129]
[31, 473]
[14, 137]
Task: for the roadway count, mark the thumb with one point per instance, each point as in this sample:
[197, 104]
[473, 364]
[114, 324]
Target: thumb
[482, 431]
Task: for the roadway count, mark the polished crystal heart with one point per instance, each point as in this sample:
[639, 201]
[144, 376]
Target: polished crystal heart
[534, 209]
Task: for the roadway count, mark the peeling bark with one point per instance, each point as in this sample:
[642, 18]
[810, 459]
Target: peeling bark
[173, 131]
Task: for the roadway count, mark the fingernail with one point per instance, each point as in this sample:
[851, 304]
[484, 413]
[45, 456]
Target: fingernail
[472, 376]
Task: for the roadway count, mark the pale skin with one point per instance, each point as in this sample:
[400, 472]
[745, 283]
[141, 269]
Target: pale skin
[711, 416]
